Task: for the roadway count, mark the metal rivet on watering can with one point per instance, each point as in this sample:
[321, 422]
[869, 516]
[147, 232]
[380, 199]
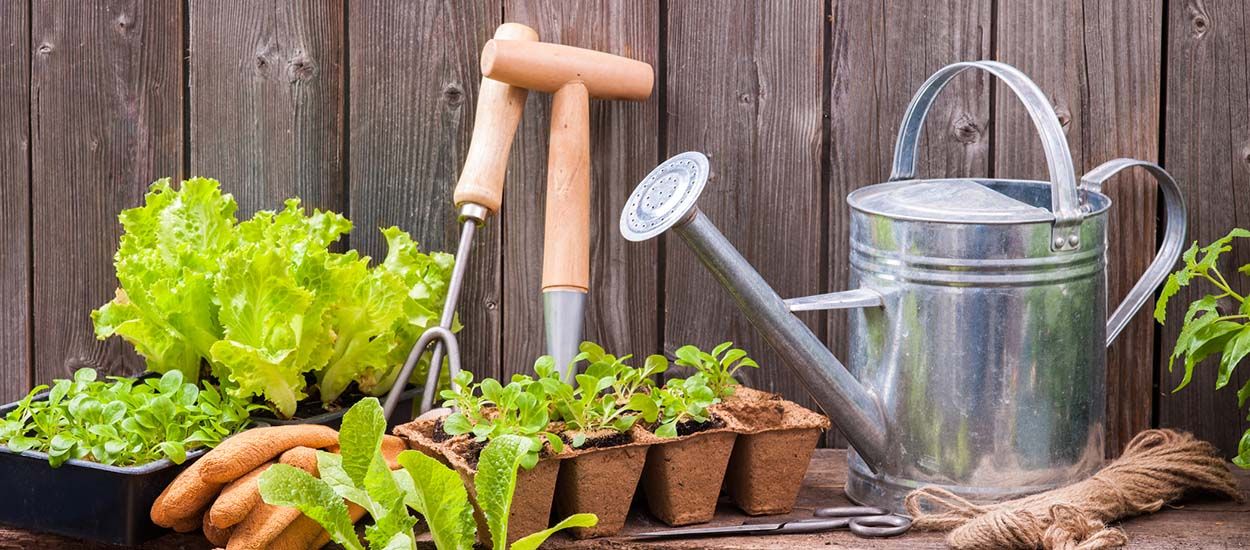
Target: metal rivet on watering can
[977, 323]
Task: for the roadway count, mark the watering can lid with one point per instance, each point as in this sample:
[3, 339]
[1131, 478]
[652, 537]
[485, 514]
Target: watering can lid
[946, 201]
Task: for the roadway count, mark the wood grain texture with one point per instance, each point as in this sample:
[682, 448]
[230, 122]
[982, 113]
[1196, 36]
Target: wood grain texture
[1207, 150]
[267, 100]
[414, 78]
[621, 305]
[1101, 72]
[744, 87]
[15, 196]
[1194, 523]
[880, 54]
[106, 120]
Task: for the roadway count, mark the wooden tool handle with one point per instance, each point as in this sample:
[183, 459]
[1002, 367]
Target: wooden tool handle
[548, 67]
[566, 233]
[498, 113]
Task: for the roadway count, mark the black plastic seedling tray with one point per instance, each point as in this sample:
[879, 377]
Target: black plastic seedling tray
[404, 413]
[80, 498]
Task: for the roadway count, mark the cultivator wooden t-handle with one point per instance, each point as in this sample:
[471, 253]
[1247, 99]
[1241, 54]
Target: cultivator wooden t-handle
[499, 107]
[574, 75]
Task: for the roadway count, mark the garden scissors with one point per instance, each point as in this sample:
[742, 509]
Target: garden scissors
[863, 521]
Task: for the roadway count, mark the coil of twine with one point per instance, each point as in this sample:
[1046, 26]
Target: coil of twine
[1157, 466]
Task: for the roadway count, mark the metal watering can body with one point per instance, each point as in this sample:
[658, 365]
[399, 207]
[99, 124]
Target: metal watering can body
[978, 326]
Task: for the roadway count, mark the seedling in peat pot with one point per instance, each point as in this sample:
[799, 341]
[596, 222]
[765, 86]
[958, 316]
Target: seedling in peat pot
[489, 409]
[719, 367]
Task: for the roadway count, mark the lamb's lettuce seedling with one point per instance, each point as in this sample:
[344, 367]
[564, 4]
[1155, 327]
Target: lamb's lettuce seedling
[360, 475]
[683, 400]
[123, 421]
[1207, 330]
[607, 395]
[719, 367]
[489, 410]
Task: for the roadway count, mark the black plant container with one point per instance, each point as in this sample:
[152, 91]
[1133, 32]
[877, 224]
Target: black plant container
[83, 499]
[404, 413]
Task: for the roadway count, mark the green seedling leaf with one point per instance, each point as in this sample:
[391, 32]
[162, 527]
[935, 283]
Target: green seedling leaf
[439, 495]
[495, 482]
[283, 485]
[534, 540]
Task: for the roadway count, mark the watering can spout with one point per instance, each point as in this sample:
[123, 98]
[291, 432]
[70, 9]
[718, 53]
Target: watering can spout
[666, 199]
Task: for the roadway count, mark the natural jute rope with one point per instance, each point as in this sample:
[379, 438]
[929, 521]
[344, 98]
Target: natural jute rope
[1158, 466]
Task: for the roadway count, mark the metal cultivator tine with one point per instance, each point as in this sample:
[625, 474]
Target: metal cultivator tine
[430, 336]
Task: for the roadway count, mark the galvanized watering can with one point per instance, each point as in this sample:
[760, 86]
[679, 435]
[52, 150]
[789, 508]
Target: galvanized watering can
[978, 326]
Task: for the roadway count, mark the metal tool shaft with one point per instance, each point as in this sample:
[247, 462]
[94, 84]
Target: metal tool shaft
[449, 308]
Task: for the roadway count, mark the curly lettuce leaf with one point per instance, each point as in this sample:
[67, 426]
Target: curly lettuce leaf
[165, 263]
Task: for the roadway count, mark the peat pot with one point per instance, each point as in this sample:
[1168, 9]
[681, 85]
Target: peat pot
[978, 327]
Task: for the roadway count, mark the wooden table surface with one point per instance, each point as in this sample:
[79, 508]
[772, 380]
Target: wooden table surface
[1193, 524]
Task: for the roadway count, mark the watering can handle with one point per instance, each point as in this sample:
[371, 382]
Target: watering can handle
[1064, 200]
[1169, 251]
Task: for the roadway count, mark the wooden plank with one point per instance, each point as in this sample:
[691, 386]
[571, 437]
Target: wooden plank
[1196, 523]
[1208, 151]
[621, 305]
[15, 196]
[1101, 72]
[880, 54]
[267, 102]
[106, 120]
[745, 88]
[414, 76]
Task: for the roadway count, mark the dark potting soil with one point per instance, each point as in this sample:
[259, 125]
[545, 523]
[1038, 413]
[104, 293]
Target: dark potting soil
[688, 427]
[601, 441]
[439, 434]
[309, 408]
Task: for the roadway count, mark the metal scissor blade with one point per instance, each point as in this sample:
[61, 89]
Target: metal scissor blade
[726, 530]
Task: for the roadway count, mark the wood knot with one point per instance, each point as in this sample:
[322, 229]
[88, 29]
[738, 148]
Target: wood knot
[124, 23]
[300, 68]
[45, 48]
[492, 305]
[965, 129]
[745, 99]
[452, 95]
[1063, 114]
[1198, 21]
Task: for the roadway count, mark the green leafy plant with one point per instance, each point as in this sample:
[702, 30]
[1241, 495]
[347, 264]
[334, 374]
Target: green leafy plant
[489, 410]
[360, 475]
[122, 422]
[1208, 331]
[265, 302]
[607, 395]
[719, 367]
[683, 400]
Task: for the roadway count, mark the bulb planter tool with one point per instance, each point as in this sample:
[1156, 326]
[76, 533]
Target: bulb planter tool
[573, 76]
[978, 312]
[478, 195]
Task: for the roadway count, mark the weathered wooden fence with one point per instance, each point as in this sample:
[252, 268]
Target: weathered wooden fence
[365, 107]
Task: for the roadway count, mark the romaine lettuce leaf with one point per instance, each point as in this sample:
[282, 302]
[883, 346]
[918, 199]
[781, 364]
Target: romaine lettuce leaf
[437, 493]
[283, 485]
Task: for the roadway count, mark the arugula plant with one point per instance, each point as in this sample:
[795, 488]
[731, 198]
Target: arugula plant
[1208, 328]
[719, 367]
[683, 400]
[489, 410]
[265, 302]
[122, 422]
[360, 475]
